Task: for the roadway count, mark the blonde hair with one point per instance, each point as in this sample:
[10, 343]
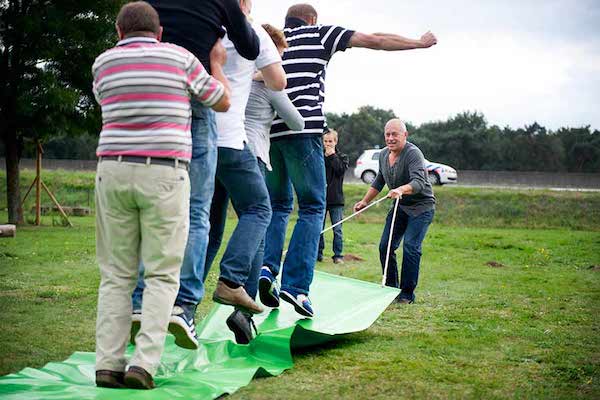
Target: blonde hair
[277, 36]
[333, 133]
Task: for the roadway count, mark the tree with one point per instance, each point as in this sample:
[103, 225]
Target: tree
[360, 130]
[47, 49]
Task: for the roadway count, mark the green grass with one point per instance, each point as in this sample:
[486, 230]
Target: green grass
[457, 206]
[529, 329]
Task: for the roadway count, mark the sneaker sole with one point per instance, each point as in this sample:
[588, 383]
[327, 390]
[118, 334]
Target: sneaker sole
[264, 290]
[182, 339]
[299, 309]
[240, 337]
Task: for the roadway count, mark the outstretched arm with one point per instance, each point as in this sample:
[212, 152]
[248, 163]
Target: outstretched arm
[391, 42]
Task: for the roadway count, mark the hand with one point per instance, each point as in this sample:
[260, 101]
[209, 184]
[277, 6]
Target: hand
[428, 40]
[395, 194]
[258, 76]
[329, 151]
[360, 205]
[218, 54]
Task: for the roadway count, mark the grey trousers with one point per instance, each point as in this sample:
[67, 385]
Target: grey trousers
[142, 211]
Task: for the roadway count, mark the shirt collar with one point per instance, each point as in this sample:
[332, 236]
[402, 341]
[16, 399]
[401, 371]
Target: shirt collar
[293, 22]
[137, 39]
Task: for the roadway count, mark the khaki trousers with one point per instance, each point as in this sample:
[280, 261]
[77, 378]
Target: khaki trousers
[142, 214]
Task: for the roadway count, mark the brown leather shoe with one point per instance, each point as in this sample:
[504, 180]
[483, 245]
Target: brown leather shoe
[238, 298]
[110, 379]
[138, 378]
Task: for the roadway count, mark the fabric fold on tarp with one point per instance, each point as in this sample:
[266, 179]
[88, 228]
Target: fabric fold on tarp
[220, 366]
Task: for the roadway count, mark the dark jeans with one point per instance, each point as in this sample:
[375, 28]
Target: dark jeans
[299, 165]
[336, 214]
[202, 180]
[239, 178]
[413, 229]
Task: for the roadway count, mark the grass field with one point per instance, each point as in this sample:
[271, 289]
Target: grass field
[527, 328]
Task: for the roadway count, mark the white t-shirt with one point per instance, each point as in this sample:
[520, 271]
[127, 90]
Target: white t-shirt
[239, 71]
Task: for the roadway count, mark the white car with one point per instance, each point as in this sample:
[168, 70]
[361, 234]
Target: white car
[367, 167]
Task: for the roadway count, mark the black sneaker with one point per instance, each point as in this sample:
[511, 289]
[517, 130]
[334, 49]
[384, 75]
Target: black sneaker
[241, 325]
[181, 325]
[267, 288]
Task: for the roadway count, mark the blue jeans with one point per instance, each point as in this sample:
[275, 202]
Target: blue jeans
[239, 177]
[413, 229]
[298, 164]
[202, 180]
[336, 214]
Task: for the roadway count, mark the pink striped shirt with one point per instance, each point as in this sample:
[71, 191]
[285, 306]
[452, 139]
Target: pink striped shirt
[144, 88]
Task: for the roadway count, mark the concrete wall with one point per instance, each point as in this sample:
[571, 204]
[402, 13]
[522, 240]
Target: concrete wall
[475, 178]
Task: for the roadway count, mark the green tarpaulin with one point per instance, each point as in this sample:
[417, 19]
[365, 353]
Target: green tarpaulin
[219, 366]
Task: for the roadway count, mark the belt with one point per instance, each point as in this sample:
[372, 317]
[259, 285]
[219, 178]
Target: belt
[171, 162]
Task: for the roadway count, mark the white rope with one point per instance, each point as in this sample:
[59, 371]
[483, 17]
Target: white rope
[354, 215]
[389, 246]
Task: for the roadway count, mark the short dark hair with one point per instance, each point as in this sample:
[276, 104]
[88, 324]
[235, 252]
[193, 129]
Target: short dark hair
[138, 17]
[303, 11]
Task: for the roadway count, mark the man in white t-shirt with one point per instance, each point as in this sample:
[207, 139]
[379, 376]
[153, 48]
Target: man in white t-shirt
[239, 178]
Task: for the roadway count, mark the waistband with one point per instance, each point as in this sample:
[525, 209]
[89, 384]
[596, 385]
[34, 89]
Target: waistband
[170, 162]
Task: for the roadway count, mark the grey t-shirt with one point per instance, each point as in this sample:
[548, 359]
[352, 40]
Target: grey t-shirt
[260, 110]
[409, 168]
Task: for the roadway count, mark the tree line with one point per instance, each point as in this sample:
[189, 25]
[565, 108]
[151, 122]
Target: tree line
[464, 141]
[467, 141]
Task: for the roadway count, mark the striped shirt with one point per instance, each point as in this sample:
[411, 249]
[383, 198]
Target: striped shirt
[305, 63]
[144, 89]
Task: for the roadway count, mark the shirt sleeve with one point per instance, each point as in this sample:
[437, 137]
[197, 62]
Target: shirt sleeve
[240, 31]
[94, 81]
[286, 110]
[268, 52]
[339, 163]
[334, 39]
[379, 182]
[206, 89]
[416, 171]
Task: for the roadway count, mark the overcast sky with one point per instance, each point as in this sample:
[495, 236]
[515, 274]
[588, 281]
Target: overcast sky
[517, 61]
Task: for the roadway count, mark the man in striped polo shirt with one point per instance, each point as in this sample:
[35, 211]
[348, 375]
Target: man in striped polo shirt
[142, 186]
[297, 156]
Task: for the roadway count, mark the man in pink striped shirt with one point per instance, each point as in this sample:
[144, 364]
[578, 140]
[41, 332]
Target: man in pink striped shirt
[144, 88]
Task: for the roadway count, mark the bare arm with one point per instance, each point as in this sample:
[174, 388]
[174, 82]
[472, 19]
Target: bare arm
[225, 102]
[218, 57]
[369, 196]
[274, 76]
[391, 42]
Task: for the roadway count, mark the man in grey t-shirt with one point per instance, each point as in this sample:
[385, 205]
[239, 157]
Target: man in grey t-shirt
[402, 168]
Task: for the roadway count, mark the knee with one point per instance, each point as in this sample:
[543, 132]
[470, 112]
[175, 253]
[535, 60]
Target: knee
[411, 248]
[383, 245]
[285, 205]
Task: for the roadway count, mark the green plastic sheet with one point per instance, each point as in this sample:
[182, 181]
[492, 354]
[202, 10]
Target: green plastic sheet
[219, 366]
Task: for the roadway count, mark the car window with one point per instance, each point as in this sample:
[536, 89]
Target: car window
[375, 156]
